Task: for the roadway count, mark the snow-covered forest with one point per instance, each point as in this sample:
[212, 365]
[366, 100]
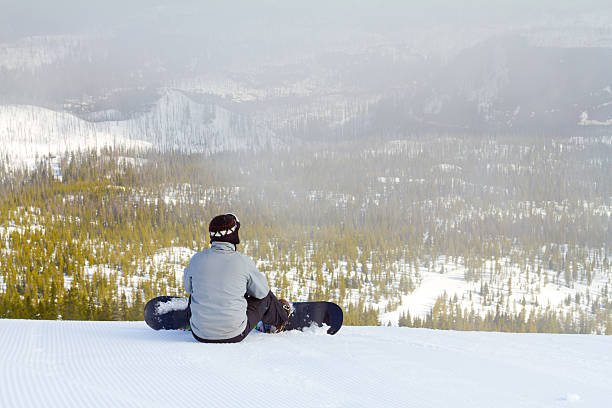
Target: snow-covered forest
[448, 232]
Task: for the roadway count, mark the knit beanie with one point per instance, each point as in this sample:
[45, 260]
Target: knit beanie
[224, 228]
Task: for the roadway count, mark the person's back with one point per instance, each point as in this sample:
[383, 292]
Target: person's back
[228, 294]
[218, 279]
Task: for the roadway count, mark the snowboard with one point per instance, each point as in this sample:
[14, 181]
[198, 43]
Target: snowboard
[305, 314]
[167, 313]
[172, 313]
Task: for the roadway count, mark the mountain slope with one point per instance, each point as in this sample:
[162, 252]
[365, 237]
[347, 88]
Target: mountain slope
[55, 363]
[174, 122]
[30, 132]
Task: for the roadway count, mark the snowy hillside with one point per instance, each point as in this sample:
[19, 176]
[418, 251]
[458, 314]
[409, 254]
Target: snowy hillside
[54, 363]
[174, 122]
[29, 132]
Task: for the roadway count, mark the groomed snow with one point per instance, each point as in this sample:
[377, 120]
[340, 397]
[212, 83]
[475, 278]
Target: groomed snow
[102, 364]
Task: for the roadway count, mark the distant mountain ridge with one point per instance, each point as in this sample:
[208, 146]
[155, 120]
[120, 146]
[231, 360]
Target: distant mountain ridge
[175, 122]
[204, 78]
[507, 85]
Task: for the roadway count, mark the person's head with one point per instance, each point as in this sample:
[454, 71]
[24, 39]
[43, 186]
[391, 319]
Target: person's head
[224, 228]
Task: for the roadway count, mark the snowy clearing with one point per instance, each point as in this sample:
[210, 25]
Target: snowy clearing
[55, 363]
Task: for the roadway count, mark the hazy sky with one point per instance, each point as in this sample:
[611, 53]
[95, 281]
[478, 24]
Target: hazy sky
[34, 17]
[459, 59]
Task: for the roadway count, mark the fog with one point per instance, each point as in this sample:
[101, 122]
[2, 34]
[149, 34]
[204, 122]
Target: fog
[69, 16]
[472, 65]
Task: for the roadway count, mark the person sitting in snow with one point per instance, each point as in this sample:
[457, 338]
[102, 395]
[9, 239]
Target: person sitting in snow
[228, 295]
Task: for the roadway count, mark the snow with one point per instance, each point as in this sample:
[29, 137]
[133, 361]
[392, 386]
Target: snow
[572, 397]
[175, 122]
[65, 363]
[389, 180]
[585, 121]
[33, 52]
[29, 132]
[420, 302]
[172, 305]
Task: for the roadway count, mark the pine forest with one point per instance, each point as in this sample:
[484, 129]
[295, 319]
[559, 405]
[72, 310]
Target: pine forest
[503, 233]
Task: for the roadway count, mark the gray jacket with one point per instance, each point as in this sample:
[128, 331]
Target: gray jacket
[217, 280]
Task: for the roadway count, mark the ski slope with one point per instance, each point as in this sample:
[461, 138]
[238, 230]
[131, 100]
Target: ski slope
[102, 364]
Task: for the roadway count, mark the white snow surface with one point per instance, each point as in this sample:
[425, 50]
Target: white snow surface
[172, 305]
[102, 364]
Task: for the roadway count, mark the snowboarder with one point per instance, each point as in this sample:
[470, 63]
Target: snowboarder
[228, 295]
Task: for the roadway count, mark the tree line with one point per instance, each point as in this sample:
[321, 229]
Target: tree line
[356, 224]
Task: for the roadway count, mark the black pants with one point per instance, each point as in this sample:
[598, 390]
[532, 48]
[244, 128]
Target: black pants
[269, 310]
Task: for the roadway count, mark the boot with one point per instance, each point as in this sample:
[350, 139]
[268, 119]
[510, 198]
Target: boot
[286, 306]
[287, 309]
